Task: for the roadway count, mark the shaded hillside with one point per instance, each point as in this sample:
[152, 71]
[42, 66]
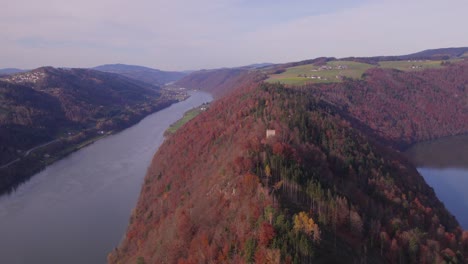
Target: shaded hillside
[405, 107]
[68, 107]
[27, 117]
[144, 74]
[318, 190]
[219, 82]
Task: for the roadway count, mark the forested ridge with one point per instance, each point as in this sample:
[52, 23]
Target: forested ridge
[329, 186]
[405, 107]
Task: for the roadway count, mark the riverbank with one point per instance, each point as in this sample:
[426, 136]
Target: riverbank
[444, 165]
[77, 209]
[38, 157]
[189, 115]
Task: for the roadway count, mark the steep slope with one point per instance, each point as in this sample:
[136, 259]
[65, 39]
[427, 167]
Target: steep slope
[66, 107]
[144, 74]
[405, 107]
[219, 82]
[317, 190]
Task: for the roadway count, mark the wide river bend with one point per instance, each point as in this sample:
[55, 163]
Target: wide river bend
[77, 209]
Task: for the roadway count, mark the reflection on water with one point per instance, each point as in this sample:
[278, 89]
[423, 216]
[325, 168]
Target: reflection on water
[450, 185]
[451, 152]
[444, 165]
[77, 209]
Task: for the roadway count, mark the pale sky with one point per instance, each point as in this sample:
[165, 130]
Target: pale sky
[183, 34]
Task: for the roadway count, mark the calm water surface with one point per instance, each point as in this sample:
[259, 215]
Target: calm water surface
[444, 165]
[77, 209]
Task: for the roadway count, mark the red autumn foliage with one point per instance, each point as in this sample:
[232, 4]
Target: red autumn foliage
[406, 107]
[364, 196]
[266, 234]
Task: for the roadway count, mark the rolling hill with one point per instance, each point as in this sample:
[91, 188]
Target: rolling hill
[140, 73]
[447, 53]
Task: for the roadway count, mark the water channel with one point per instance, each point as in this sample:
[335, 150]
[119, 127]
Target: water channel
[444, 165]
[77, 209]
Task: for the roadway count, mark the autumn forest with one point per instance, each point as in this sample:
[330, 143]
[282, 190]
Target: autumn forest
[327, 184]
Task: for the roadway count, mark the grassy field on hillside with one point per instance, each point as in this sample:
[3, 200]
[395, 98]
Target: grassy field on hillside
[189, 115]
[333, 71]
[411, 65]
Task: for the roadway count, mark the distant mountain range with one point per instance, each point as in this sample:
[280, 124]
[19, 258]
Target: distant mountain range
[140, 73]
[430, 54]
[144, 74]
[220, 81]
[257, 65]
[444, 52]
[159, 77]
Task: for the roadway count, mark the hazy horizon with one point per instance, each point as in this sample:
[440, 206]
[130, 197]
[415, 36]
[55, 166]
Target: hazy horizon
[182, 35]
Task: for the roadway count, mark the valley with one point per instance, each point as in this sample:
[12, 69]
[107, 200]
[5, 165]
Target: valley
[280, 168]
[49, 113]
[83, 200]
[266, 132]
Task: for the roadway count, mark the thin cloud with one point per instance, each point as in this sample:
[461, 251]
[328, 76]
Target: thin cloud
[177, 35]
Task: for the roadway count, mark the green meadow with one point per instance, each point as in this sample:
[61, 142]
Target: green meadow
[411, 65]
[189, 115]
[333, 71]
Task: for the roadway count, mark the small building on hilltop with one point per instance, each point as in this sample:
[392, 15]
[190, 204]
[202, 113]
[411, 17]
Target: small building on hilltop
[270, 133]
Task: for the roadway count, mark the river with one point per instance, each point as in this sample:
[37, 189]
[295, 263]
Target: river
[77, 209]
[444, 165]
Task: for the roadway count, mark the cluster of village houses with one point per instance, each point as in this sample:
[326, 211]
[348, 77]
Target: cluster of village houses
[414, 66]
[324, 68]
[177, 93]
[29, 77]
